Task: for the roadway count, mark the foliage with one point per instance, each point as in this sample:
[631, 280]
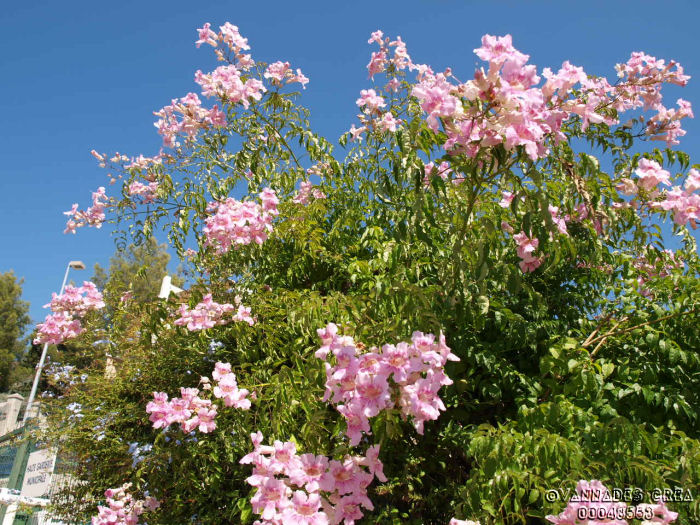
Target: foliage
[585, 368]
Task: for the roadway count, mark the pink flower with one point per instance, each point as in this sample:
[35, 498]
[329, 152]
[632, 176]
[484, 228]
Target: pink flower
[270, 498]
[68, 308]
[304, 510]
[360, 387]
[93, 216]
[371, 461]
[235, 223]
[356, 133]
[434, 94]
[123, 508]
[192, 411]
[559, 221]
[369, 101]
[443, 170]
[227, 81]
[651, 174]
[388, 122]
[526, 247]
[377, 63]
[306, 192]
[499, 49]
[376, 37]
[507, 199]
[146, 191]
[233, 38]
[308, 471]
[206, 36]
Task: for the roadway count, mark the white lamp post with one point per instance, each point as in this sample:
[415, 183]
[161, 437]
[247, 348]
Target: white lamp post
[76, 265]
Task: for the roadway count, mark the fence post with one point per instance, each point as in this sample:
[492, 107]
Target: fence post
[18, 467]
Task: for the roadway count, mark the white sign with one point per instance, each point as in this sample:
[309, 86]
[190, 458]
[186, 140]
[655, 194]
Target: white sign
[37, 476]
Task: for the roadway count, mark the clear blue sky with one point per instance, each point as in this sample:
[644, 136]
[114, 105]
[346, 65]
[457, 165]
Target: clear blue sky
[79, 75]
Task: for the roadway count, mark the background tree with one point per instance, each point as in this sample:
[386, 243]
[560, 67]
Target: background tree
[136, 270]
[133, 278]
[14, 320]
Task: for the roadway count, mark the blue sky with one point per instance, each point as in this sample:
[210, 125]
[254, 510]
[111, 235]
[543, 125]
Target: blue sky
[79, 75]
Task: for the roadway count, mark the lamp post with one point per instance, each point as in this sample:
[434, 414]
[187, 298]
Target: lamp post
[22, 454]
[76, 265]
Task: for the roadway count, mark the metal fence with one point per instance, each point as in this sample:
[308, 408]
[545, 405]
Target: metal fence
[15, 448]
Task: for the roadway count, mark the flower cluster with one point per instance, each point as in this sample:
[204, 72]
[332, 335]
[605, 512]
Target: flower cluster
[227, 82]
[642, 77]
[280, 72]
[122, 508]
[407, 375]
[230, 36]
[371, 104]
[684, 203]
[147, 192]
[307, 489]
[526, 248]
[67, 310]
[186, 117]
[504, 105]
[234, 222]
[593, 504]
[191, 410]
[93, 216]
[306, 192]
[209, 313]
[442, 170]
[662, 266]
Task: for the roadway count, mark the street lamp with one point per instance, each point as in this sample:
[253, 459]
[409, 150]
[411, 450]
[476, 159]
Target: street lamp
[76, 265]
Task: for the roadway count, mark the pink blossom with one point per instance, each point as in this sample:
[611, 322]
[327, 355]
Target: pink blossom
[526, 248]
[280, 72]
[377, 63]
[93, 216]
[507, 199]
[146, 191]
[309, 489]
[388, 122]
[435, 96]
[67, 311]
[226, 81]
[206, 36]
[363, 385]
[235, 223]
[304, 510]
[559, 221]
[232, 38]
[194, 412]
[306, 192]
[499, 49]
[376, 37]
[692, 183]
[209, 313]
[369, 101]
[651, 174]
[356, 133]
[443, 170]
[122, 508]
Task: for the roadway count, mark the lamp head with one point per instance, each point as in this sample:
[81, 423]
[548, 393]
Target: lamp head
[77, 265]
